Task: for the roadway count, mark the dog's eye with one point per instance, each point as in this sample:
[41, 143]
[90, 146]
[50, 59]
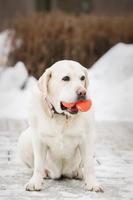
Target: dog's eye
[82, 78]
[66, 78]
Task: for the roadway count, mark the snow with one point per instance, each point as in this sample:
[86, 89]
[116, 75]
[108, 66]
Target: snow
[14, 104]
[6, 41]
[5, 46]
[112, 84]
[14, 99]
[13, 77]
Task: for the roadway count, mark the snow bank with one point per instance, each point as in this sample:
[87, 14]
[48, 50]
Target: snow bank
[14, 99]
[6, 40]
[13, 77]
[5, 46]
[112, 84]
[14, 104]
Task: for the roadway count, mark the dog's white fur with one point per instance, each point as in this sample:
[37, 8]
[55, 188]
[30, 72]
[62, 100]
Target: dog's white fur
[58, 145]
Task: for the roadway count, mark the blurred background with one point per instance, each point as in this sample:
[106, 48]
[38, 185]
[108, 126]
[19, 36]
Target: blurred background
[96, 33]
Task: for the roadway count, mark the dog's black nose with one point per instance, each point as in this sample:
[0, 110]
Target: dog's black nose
[81, 94]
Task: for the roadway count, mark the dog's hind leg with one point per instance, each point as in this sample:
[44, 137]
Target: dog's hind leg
[78, 174]
[25, 149]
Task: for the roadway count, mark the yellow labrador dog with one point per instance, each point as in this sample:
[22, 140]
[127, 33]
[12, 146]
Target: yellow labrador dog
[59, 140]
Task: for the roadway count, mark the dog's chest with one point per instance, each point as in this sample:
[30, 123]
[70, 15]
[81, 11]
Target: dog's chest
[63, 146]
[64, 140]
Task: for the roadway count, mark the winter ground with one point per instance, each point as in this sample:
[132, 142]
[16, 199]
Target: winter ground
[114, 166]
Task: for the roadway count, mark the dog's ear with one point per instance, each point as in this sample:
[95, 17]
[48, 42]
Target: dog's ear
[43, 81]
[86, 78]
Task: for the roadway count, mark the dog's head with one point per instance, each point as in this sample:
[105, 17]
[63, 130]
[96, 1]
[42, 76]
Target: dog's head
[65, 81]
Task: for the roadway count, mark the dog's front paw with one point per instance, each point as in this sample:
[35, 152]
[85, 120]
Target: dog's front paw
[95, 187]
[33, 185]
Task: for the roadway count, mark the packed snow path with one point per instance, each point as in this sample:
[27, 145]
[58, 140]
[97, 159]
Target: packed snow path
[114, 166]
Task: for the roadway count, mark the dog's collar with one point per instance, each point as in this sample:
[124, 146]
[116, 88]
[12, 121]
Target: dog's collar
[52, 108]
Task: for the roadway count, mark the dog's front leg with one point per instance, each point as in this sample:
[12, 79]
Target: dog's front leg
[39, 150]
[87, 154]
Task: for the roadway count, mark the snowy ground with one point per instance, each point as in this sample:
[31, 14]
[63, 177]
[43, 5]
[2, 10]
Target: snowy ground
[114, 168]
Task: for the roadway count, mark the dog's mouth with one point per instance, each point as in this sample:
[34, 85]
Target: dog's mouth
[74, 107]
[72, 110]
